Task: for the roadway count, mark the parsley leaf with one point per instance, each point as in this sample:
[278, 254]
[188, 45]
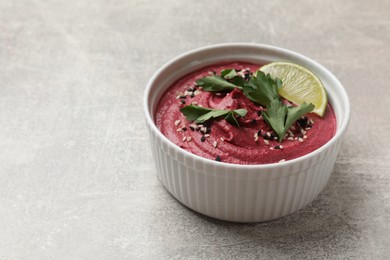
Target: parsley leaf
[214, 84]
[280, 117]
[201, 114]
[262, 89]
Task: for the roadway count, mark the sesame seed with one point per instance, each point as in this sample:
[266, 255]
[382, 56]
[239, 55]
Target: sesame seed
[206, 135]
[292, 128]
[266, 142]
[268, 134]
[283, 160]
[305, 136]
[184, 138]
[253, 121]
[189, 139]
[303, 131]
[184, 128]
[259, 132]
[307, 128]
[196, 92]
[202, 139]
[311, 121]
[177, 122]
[178, 96]
[182, 101]
[215, 143]
[300, 139]
[256, 135]
[279, 147]
[194, 103]
[179, 130]
[290, 138]
[218, 158]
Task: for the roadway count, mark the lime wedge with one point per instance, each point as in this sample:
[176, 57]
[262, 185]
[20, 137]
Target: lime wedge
[299, 85]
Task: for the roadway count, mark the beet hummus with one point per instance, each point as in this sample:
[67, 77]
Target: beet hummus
[253, 142]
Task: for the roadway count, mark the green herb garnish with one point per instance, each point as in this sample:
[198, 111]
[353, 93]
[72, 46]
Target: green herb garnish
[202, 114]
[261, 89]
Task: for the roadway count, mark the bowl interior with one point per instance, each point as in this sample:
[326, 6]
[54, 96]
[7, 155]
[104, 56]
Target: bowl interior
[254, 53]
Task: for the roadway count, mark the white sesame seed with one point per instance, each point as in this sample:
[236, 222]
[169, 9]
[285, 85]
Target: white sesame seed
[303, 131]
[184, 139]
[271, 148]
[266, 142]
[280, 146]
[186, 93]
[292, 128]
[300, 140]
[307, 128]
[256, 135]
[283, 160]
[189, 139]
[268, 134]
[290, 138]
[256, 138]
[179, 130]
[215, 143]
[275, 138]
[206, 135]
[222, 139]
[311, 121]
[305, 136]
[178, 96]
[177, 122]
[296, 138]
[194, 103]
[196, 92]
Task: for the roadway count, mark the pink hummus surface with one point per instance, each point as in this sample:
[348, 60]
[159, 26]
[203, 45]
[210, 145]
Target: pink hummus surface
[232, 144]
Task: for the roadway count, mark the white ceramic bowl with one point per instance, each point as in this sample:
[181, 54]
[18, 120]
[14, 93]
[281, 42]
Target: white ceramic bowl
[242, 193]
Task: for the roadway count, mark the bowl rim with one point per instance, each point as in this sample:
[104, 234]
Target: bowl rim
[339, 131]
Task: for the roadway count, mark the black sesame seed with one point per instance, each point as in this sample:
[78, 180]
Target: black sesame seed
[182, 97]
[259, 113]
[190, 89]
[302, 122]
[273, 135]
[277, 147]
[192, 128]
[202, 139]
[266, 137]
[182, 101]
[259, 132]
[192, 95]
[214, 72]
[218, 158]
[184, 129]
[208, 130]
[253, 121]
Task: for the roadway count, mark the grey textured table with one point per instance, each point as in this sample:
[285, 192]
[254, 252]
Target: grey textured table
[76, 174]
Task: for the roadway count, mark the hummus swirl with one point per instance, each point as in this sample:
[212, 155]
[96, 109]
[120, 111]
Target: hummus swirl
[251, 143]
